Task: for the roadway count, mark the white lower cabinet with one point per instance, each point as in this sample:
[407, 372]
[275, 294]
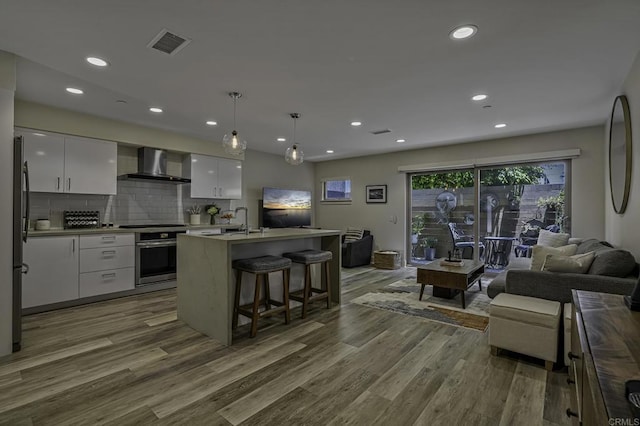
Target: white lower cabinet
[53, 270]
[107, 281]
[107, 264]
[66, 268]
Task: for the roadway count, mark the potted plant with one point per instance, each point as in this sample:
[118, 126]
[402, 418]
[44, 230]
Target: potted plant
[212, 210]
[194, 214]
[430, 248]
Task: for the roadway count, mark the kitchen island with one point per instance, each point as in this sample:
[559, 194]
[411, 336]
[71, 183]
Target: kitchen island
[206, 280]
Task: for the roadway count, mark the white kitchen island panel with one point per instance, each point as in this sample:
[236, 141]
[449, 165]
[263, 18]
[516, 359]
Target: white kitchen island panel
[206, 279]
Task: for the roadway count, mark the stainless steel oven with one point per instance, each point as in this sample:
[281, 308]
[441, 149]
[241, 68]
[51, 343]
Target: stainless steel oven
[156, 256]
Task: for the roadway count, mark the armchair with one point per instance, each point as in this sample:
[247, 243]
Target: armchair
[358, 252]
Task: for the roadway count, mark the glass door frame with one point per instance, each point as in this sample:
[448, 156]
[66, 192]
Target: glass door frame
[476, 208]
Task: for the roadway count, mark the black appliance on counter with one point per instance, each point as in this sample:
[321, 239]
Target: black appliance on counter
[156, 253]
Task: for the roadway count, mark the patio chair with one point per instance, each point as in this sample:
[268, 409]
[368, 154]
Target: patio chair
[528, 237]
[463, 242]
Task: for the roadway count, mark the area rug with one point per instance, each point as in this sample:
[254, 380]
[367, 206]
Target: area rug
[402, 297]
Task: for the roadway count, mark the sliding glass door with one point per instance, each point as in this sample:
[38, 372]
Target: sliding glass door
[442, 209]
[512, 204]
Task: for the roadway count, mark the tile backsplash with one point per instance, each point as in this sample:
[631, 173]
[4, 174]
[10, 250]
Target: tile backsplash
[137, 202]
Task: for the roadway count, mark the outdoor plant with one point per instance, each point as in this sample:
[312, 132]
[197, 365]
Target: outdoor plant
[431, 242]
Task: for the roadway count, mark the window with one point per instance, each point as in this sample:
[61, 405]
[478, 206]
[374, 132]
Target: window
[336, 189]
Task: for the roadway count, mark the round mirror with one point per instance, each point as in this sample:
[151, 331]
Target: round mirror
[620, 154]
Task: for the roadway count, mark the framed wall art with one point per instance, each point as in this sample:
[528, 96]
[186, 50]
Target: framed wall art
[376, 194]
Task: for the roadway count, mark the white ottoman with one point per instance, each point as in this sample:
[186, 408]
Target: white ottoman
[568, 308]
[526, 325]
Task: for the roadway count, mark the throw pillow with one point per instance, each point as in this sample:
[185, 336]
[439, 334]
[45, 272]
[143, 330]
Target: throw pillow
[539, 254]
[613, 263]
[551, 239]
[576, 264]
[353, 234]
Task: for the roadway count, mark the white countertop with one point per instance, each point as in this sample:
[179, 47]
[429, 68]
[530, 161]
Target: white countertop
[84, 231]
[269, 234]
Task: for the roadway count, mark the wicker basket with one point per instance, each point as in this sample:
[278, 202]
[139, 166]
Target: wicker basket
[386, 259]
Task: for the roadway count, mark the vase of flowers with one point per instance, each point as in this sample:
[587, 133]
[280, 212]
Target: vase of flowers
[227, 216]
[212, 210]
[194, 214]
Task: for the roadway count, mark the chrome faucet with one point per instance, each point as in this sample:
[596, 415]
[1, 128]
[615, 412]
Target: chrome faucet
[246, 219]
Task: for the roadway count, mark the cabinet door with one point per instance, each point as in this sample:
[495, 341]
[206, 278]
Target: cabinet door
[44, 154]
[90, 166]
[53, 270]
[229, 179]
[204, 176]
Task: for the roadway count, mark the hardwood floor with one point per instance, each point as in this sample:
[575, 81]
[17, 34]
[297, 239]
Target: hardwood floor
[130, 361]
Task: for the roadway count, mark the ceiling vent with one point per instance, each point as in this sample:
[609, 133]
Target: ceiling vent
[168, 42]
[380, 132]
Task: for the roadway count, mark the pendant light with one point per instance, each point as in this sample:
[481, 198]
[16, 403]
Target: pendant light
[231, 142]
[294, 154]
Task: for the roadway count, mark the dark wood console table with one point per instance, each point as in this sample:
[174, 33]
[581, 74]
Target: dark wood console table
[605, 353]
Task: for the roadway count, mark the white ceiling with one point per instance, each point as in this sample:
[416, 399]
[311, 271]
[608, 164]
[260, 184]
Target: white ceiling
[546, 65]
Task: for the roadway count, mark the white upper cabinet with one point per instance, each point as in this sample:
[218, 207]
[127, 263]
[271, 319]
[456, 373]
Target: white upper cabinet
[44, 154]
[90, 166]
[60, 163]
[213, 177]
[229, 179]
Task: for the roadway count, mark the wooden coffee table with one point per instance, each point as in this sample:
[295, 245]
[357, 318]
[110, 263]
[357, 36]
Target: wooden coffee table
[447, 281]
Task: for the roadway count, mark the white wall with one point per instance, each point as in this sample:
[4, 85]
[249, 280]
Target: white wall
[31, 115]
[623, 230]
[586, 186]
[261, 169]
[7, 88]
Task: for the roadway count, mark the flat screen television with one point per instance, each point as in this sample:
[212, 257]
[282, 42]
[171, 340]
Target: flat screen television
[285, 208]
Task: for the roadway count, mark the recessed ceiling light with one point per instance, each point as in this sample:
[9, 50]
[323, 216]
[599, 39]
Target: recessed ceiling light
[238, 166]
[356, 123]
[462, 32]
[98, 62]
[401, 140]
[155, 109]
[500, 126]
[329, 151]
[74, 91]
[281, 139]
[38, 134]
[479, 98]
[212, 123]
[40, 153]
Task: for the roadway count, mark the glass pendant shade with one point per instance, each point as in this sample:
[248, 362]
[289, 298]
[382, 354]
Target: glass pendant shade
[294, 155]
[233, 144]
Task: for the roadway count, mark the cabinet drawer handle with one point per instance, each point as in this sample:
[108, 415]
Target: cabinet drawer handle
[109, 238]
[570, 381]
[571, 413]
[58, 187]
[108, 252]
[572, 356]
[112, 275]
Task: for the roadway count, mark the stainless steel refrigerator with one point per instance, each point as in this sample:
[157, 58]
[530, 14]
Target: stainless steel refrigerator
[20, 234]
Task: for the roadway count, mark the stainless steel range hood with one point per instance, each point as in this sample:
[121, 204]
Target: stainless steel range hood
[152, 166]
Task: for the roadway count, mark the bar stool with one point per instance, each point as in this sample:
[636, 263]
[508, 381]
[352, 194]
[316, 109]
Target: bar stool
[308, 258]
[261, 266]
